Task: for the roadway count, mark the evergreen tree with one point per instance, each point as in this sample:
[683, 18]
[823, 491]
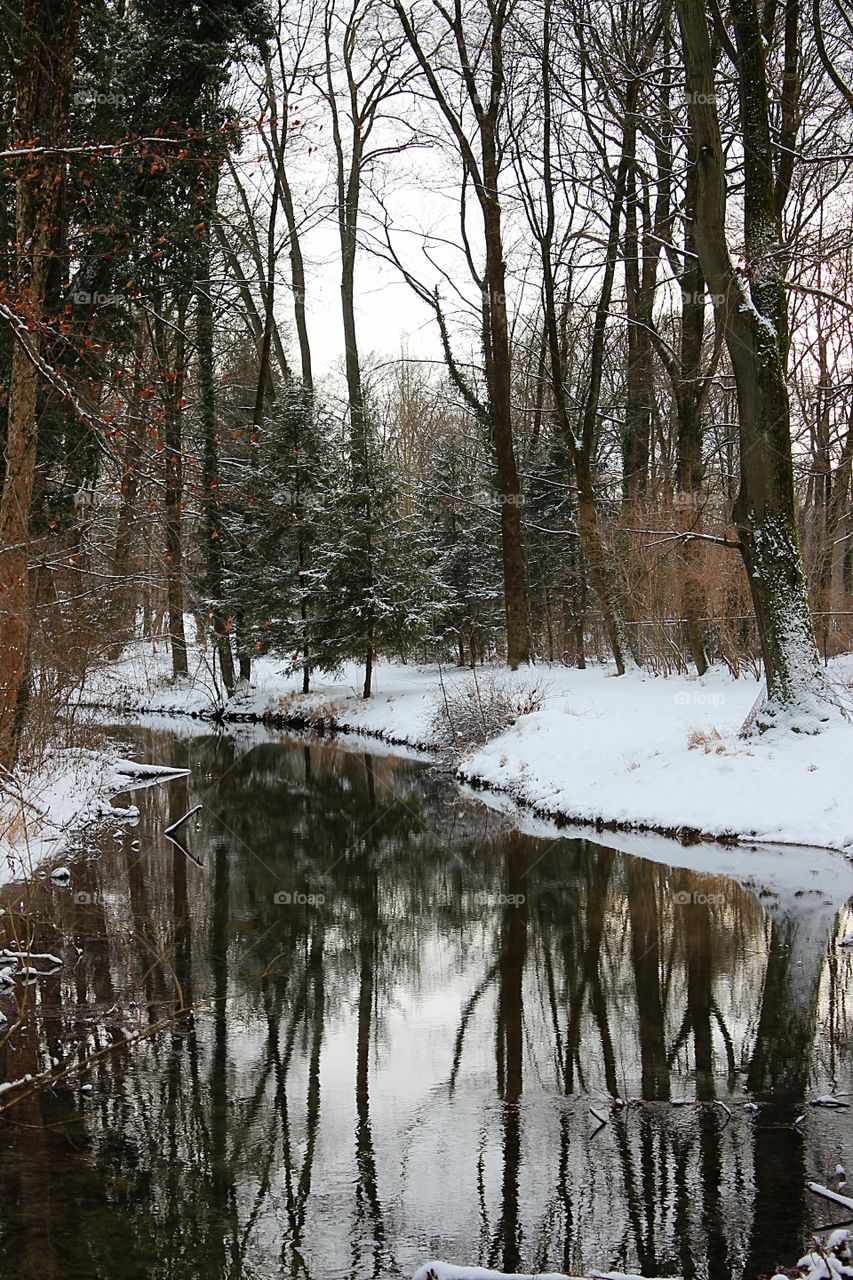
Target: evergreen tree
[370, 579]
[271, 525]
[463, 519]
[552, 542]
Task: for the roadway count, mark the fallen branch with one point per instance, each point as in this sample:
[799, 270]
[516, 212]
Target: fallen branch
[828, 1194]
[182, 820]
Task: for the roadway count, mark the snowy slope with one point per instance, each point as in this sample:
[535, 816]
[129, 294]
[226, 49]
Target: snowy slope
[634, 752]
[69, 789]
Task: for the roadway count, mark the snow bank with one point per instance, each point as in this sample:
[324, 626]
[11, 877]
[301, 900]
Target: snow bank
[70, 789]
[829, 1261]
[663, 754]
[447, 1271]
[637, 752]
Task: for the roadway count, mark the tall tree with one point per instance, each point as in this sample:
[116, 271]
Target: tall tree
[362, 74]
[750, 307]
[170, 352]
[577, 425]
[478, 38]
[210, 500]
[42, 67]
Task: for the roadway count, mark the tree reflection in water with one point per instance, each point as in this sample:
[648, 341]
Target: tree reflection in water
[398, 1061]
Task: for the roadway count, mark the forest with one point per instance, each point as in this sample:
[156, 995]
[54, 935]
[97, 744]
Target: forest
[622, 429]
[426, 639]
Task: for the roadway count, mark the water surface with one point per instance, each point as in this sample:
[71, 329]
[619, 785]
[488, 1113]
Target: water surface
[402, 1013]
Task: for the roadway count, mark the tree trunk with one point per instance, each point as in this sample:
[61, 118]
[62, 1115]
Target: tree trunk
[690, 467]
[636, 440]
[47, 41]
[173, 485]
[750, 307]
[297, 280]
[580, 449]
[212, 515]
[349, 176]
[244, 652]
[367, 691]
[833, 501]
[500, 411]
[124, 612]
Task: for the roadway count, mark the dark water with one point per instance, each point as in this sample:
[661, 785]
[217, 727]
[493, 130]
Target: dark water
[398, 1062]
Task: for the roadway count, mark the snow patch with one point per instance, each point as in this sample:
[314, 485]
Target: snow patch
[612, 752]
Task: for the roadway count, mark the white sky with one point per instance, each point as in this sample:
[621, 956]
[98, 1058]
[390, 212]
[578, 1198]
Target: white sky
[420, 191]
[388, 314]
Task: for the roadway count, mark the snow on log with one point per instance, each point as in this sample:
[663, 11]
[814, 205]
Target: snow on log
[137, 769]
[29, 956]
[829, 1194]
[448, 1271]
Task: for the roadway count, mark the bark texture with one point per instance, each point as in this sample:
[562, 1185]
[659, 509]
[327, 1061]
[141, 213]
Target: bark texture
[750, 307]
[48, 38]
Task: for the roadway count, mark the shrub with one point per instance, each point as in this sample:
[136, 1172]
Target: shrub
[471, 710]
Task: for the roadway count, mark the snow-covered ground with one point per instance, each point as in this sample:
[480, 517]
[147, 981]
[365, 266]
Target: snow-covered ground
[636, 752]
[830, 1259]
[42, 809]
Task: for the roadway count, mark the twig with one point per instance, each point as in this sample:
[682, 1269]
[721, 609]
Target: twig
[184, 850]
[182, 820]
[726, 1109]
[602, 1120]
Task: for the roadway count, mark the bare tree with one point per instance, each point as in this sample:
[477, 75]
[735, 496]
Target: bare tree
[751, 310]
[551, 153]
[363, 74]
[477, 38]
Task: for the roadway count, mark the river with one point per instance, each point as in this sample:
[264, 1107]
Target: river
[401, 1016]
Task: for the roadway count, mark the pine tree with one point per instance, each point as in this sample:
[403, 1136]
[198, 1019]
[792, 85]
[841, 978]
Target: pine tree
[553, 553]
[271, 526]
[462, 516]
[370, 579]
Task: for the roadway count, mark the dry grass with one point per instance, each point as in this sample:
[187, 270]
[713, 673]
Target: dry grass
[710, 740]
[320, 716]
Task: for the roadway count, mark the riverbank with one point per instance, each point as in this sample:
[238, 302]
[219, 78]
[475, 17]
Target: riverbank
[45, 808]
[636, 753]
